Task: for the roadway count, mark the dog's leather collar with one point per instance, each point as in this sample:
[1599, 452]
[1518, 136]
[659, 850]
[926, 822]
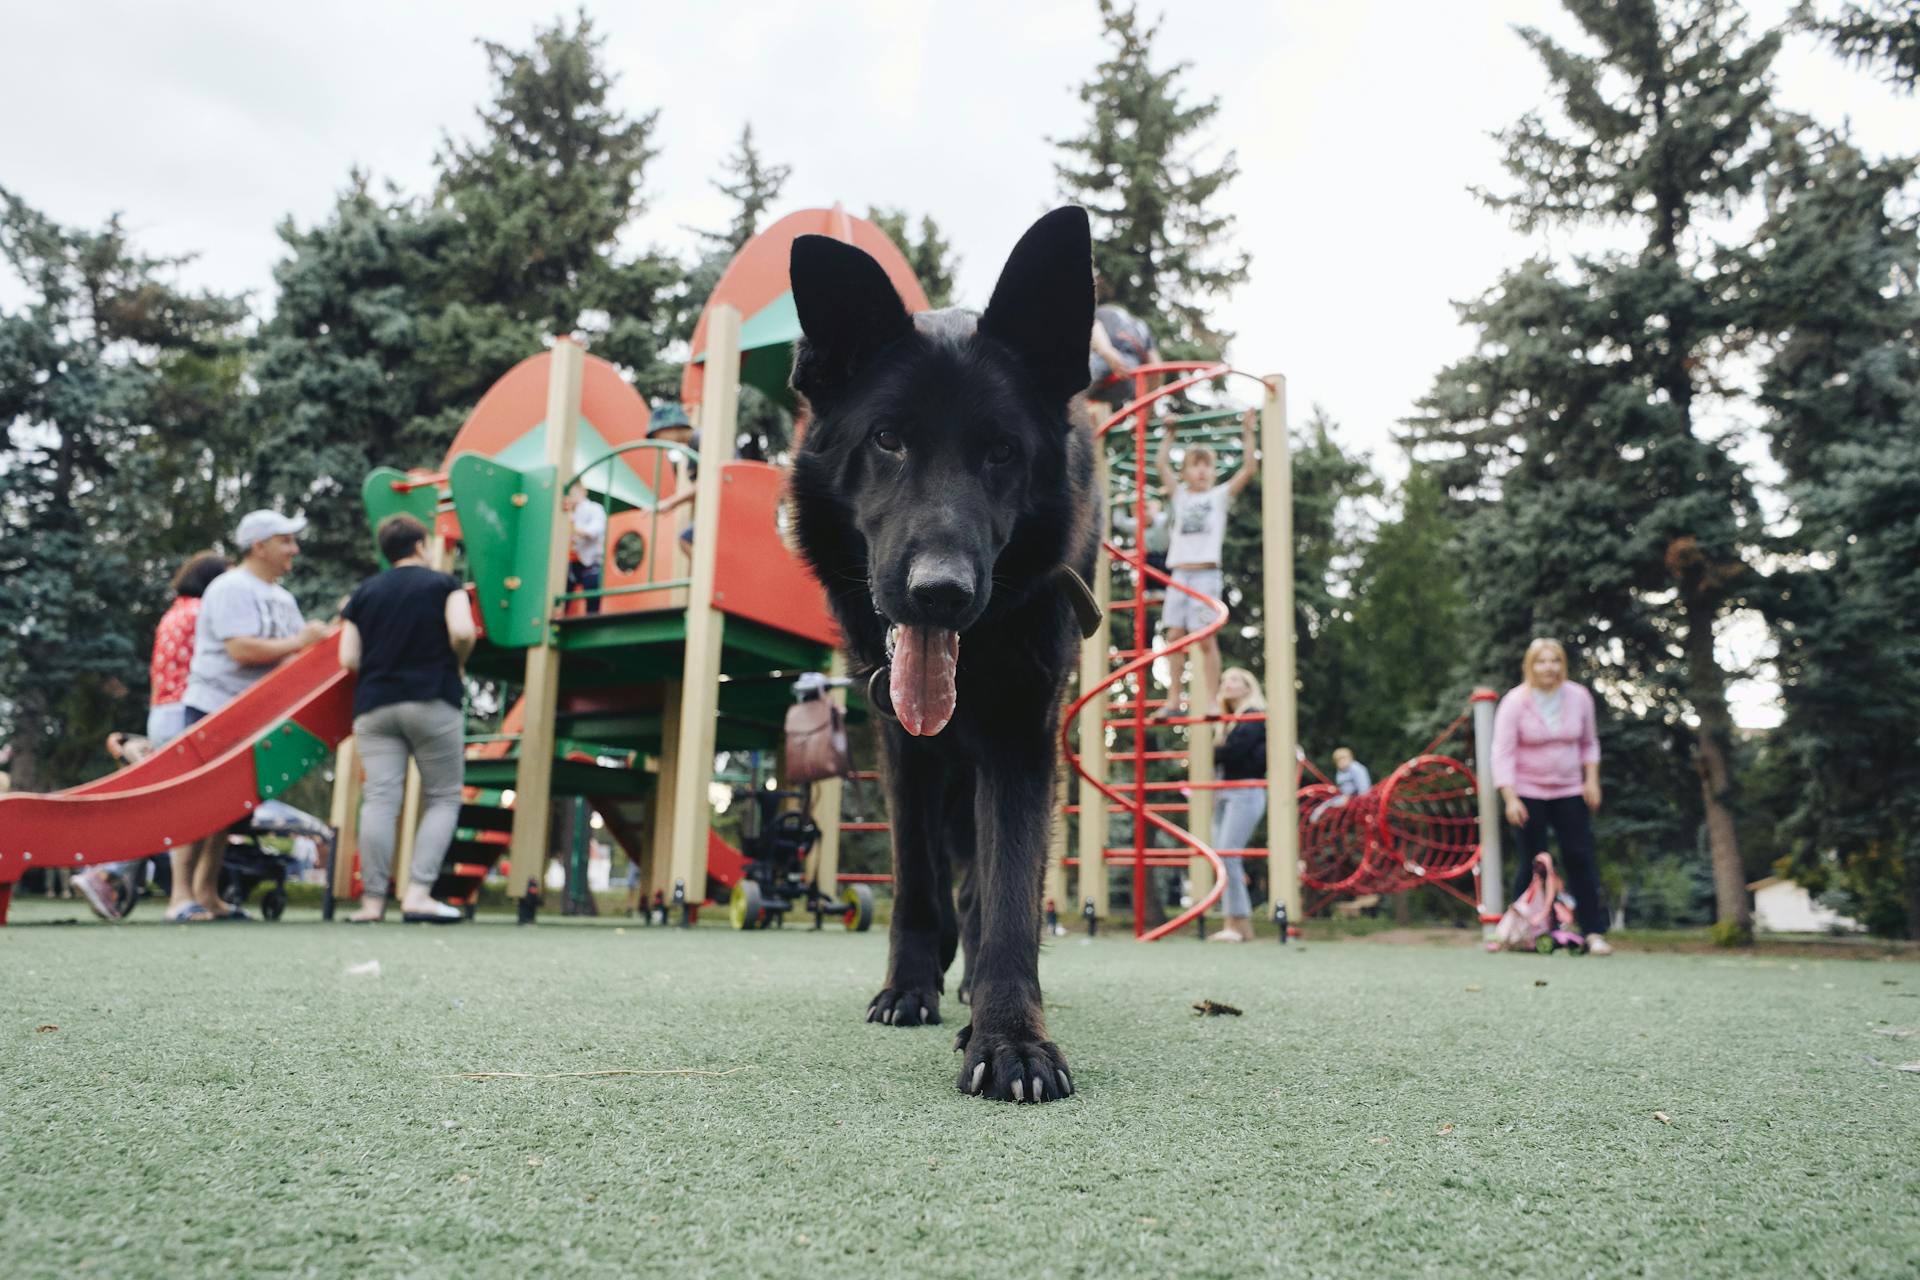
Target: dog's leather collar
[1086, 610]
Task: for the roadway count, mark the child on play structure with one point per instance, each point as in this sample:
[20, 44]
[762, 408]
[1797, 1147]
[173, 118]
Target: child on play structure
[1198, 512]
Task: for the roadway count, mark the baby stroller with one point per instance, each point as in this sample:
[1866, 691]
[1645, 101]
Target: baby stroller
[247, 864]
[1540, 919]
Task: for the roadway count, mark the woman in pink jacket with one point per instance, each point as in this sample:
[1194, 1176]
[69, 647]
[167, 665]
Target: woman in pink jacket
[1546, 763]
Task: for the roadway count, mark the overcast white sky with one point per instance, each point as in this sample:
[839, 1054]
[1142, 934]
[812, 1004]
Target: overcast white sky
[1358, 126]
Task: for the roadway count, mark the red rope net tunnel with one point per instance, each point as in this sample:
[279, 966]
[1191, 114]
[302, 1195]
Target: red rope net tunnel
[1420, 826]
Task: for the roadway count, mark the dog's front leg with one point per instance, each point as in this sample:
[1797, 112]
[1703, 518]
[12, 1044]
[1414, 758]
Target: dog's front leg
[920, 938]
[1007, 1053]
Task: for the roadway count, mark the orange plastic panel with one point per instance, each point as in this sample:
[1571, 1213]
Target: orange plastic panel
[757, 576]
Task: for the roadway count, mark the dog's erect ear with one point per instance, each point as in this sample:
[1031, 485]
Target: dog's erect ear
[1043, 304]
[848, 310]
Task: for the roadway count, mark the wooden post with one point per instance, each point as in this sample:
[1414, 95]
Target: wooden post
[700, 680]
[1200, 805]
[660, 844]
[345, 815]
[1493, 885]
[1095, 658]
[1283, 730]
[533, 776]
[826, 802]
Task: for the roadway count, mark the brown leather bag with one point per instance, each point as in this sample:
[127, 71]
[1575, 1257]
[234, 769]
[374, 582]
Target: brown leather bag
[817, 742]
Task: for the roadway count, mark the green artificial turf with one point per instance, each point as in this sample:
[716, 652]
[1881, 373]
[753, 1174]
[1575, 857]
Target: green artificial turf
[229, 1099]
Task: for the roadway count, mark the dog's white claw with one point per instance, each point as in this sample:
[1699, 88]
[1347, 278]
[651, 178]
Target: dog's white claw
[1037, 1091]
[1019, 1091]
[1066, 1083]
[979, 1073]
[873, 1011]
[888, 1019]
[923, 1013]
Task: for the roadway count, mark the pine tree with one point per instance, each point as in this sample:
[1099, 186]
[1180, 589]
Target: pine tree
[1884, 34]
[1837, 300]
[754, 186]
[395, 315]
[1159, 249]
[1610, 512]
[930, 254]
[118, 390]
[345, 375]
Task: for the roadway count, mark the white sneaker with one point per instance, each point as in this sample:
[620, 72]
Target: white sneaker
[1597, 945]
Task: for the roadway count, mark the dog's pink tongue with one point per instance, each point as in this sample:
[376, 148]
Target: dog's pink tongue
[925, 662]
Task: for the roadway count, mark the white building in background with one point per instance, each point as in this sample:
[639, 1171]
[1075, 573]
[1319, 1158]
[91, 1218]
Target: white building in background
[1782, 906]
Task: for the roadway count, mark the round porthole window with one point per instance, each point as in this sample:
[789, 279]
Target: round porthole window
[629, 552]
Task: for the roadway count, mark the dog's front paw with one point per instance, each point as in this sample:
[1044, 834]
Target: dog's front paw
[1012, 1068]
[905, 1007]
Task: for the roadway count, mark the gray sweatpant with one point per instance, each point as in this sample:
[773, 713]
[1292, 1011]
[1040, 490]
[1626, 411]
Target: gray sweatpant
[433, 733]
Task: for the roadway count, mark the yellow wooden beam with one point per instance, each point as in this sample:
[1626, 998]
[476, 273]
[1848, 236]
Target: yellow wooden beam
[706, 625]
[1283, 730]
[540, 690]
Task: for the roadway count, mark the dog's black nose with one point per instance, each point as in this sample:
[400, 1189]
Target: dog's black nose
[941, 589]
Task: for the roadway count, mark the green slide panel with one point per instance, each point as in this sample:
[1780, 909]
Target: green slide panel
[283, 755]
[382, 500]
[504, 518]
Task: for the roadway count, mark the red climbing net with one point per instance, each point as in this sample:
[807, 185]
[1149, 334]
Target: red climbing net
[1420, 826]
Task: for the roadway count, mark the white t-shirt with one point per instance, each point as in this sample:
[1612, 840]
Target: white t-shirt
[589, 532]
[234, 605]
[1199, 526]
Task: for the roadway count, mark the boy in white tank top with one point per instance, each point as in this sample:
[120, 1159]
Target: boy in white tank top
[1198, 520]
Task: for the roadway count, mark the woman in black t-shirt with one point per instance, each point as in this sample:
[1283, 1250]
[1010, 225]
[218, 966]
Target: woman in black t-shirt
[407, 632]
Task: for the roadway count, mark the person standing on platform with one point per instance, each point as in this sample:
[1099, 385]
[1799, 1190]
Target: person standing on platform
[588, 550]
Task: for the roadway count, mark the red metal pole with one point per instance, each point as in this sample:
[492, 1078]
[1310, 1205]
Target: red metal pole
[1139, 647]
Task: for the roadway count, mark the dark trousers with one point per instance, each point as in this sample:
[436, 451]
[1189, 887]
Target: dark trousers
[582, 577]
[1572, 825]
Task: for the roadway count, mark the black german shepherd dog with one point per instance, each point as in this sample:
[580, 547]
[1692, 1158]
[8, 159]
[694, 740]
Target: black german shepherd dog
[944, 486]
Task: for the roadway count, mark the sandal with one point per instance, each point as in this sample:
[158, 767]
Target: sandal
[192, 913]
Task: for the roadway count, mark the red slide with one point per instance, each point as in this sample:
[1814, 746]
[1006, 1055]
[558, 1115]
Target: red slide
[203, 781]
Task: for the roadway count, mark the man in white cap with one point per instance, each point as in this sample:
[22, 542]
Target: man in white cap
[248, 625]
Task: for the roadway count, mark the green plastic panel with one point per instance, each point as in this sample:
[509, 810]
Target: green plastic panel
[381, 500]
[282, 756]
[506, 545]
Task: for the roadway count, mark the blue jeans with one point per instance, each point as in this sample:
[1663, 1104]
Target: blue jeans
[1235, 814]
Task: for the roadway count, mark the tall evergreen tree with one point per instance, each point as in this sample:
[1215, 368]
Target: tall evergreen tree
[118, 392]
[1837, 301]
[1161, 250]
[765, 428]
[754, 186]
[395, 315]
[1884, 34]
[1623, 522]
[345, 374]
[930, 254]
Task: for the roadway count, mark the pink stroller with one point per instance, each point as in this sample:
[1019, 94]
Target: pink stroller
[1540, 919]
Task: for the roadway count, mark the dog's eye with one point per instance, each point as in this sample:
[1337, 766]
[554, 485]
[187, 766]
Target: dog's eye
[1001, 453]
[888, 441]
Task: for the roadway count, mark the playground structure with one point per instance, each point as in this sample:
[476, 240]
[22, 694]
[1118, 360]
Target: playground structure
[701, 623]
[1432, 821]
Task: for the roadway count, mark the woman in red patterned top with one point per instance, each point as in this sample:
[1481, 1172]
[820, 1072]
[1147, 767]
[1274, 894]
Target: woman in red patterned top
[173, 645]
[166, 712]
